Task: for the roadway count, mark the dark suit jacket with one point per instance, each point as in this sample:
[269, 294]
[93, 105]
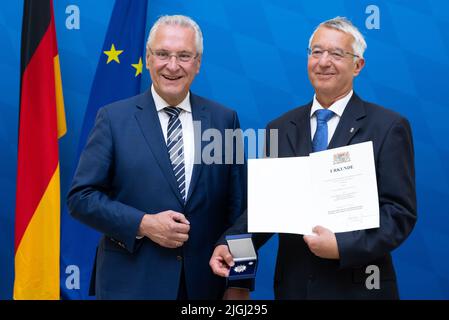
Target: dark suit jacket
[125, 172]
[302, 275]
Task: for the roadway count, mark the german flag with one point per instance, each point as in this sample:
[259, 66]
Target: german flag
[41, 124]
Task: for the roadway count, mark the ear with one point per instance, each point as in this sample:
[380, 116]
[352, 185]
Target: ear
[358, 66]
[198, 61]
[147, 59]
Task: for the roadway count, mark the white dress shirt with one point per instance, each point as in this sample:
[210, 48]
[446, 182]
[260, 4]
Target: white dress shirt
[187, 130]
[337, 107]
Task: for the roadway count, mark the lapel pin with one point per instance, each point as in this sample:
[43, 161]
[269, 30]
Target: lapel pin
[352, 130]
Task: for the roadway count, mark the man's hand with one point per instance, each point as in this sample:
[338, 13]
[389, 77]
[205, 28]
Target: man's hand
[236, 294]
[221, 261]
[168, 228]
[323, 243]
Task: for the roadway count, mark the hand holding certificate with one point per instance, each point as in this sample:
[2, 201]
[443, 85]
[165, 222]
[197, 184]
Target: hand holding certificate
[336, 189]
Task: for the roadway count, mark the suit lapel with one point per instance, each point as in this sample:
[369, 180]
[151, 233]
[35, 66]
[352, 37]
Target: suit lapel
[148, 120]
[298, 134]
[200, 114]
[350, 122]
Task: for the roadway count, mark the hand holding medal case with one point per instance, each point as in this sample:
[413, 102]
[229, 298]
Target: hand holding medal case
[245, 257]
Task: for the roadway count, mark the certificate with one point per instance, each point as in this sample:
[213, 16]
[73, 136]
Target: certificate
[335, 188]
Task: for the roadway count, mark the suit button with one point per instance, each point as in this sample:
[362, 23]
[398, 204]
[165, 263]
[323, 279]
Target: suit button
[179, 258]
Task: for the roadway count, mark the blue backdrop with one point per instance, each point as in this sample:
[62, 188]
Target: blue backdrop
[255, 62]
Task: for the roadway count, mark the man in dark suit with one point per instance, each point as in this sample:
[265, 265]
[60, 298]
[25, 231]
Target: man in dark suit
[338, 266]
[142, 183]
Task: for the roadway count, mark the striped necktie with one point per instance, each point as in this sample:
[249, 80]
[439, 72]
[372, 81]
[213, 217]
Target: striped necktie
[176, 148]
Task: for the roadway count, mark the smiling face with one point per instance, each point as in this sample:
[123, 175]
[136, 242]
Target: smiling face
[172, 78]
[332, 79]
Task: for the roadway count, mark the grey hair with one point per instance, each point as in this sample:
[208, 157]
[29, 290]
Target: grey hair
[182, 21]
[345, 25]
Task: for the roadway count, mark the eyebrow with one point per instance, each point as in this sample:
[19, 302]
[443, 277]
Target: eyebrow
[331, 49]
[182, 51]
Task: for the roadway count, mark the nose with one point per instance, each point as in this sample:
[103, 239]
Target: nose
[172, 63]
[325, 59]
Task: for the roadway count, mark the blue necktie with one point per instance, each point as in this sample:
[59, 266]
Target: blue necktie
[319, 141]
[175, 148]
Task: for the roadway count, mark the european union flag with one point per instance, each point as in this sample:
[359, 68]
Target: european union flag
[118, 76]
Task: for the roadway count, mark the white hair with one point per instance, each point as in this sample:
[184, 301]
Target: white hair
[343, 24]
[182, 21]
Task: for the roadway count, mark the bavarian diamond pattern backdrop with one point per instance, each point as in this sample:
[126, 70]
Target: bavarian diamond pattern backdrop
[255, 62]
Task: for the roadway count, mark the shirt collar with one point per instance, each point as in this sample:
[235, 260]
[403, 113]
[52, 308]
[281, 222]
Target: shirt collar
[161, 103]
[337, 107]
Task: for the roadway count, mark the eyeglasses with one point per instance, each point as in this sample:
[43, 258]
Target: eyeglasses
[334, 54]
[164, 55]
